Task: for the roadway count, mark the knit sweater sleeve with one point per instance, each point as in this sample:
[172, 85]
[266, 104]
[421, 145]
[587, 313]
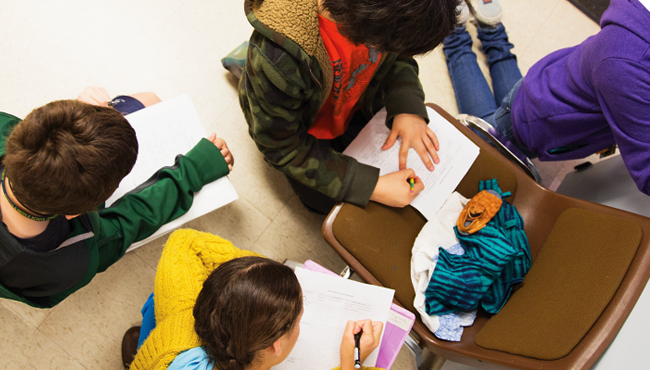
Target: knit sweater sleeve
[188, 258]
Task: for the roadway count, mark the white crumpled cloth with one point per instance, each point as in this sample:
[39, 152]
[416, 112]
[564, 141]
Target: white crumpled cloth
[438, 233]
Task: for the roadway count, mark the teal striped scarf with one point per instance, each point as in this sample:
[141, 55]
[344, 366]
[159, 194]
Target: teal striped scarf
[496, 259]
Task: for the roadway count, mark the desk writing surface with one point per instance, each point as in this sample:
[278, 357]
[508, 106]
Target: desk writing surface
[457, 154]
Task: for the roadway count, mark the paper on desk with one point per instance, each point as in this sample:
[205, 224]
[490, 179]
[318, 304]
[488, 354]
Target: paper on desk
[329, 302]
[397, 328]
[457, 154]
[165, 130]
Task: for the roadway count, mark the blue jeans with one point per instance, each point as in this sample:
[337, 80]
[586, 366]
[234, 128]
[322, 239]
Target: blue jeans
[473, 94]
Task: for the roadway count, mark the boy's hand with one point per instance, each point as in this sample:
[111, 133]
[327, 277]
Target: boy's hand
[95, 95]
[394, 189]
[369, 341]
[415, 134]
[223, 147]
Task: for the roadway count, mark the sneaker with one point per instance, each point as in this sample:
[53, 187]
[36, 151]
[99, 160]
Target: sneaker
[463, 14]
[487, 13]
[234, 61]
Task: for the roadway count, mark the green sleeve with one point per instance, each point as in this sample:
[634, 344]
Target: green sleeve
[7, 124]
[167, 195]
[403, 90]
[280, 97]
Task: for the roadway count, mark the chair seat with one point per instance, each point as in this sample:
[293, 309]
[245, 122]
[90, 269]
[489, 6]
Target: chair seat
[572, 281]
[376, 242]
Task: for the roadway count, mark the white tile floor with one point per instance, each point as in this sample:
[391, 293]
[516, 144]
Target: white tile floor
[52, 49]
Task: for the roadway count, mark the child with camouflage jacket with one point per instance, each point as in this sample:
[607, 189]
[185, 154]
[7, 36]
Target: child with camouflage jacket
[318, 70]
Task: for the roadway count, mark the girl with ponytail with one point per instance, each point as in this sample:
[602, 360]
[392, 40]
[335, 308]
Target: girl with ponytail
[221, 308]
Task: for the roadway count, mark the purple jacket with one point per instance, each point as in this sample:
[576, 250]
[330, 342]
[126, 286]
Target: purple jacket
[592, 95]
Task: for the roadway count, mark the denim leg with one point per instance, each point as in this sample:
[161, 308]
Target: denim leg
[503, 64]
[473, 94]
[502, 121]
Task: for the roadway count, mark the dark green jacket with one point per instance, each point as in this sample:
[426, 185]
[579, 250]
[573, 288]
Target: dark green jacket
[99, 239]
[287, 79]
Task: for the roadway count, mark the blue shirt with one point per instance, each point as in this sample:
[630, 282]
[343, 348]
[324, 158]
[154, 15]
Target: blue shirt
[192, 359]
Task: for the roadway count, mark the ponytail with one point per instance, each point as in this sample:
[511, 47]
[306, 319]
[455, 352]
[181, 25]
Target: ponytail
[245, 305]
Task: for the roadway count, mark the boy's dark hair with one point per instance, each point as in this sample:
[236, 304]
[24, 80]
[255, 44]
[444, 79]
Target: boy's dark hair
[68, 157]
[408, 27]
[245, 305]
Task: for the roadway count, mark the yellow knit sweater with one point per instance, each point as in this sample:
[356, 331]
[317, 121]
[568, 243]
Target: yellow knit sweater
[187, 259]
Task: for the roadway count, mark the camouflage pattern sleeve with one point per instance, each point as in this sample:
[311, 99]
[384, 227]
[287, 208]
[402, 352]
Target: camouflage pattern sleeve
[403, 91]
[280, 97]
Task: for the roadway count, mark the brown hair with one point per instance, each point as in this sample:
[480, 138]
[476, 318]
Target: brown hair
[246, 304]
[68, 157]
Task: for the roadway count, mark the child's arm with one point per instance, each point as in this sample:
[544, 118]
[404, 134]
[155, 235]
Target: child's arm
[278, 98]
[394, 189]
[167, 195]
[370, 337]
[407, 115]
[223, 148]
[416, 134]
[96, 95]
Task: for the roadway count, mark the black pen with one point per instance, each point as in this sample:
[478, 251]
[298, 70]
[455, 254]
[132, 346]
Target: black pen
[357, 350]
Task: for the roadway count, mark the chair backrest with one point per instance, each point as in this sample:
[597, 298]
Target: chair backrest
[376, 242]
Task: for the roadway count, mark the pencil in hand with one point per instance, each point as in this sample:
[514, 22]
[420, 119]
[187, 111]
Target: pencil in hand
[357, 350]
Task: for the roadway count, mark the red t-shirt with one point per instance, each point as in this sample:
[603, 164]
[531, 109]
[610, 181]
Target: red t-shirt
[353, 68]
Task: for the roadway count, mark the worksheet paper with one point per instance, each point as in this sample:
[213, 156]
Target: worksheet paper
[397, 328]
[329, 302]
[165, 130]
[457, 154]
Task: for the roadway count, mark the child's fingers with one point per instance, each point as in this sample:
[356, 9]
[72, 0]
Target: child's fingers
[222, 143]
[212, 137]
[419, 185]
[392, 137]
[366, 326]
[227, 155]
